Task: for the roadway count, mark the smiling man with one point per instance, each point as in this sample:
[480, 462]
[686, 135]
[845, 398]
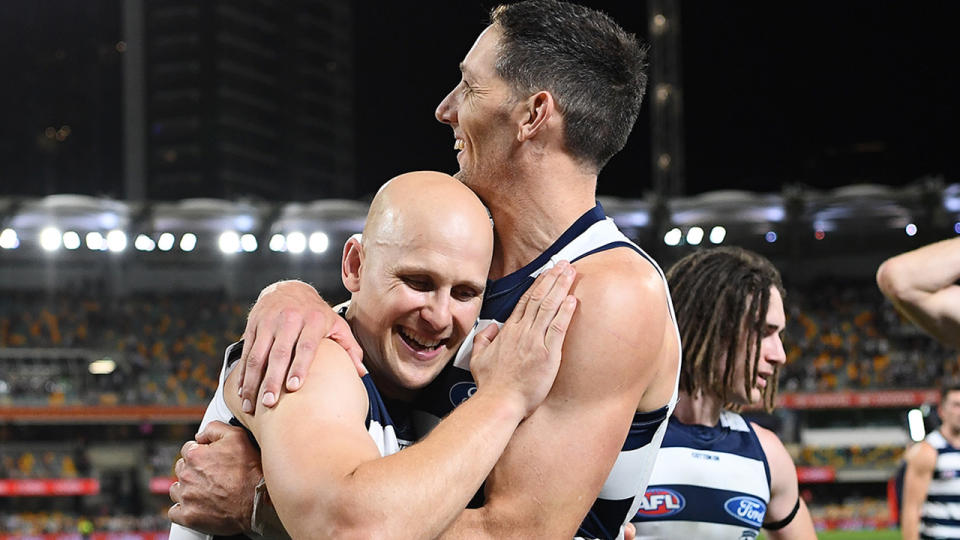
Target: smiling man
[417, 278]
[717, 475]
[549, 93]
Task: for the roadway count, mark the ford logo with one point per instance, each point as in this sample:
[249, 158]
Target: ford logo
[749, 510]
[660, 502]
[461, 391]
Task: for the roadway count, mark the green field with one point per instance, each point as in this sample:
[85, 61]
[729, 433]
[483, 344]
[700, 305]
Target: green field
[889, 534]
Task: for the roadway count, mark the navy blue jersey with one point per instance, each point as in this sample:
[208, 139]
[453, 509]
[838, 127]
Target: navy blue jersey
[708, 482]
[940, 516]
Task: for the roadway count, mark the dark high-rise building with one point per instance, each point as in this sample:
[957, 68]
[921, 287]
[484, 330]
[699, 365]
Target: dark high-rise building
[250, 98]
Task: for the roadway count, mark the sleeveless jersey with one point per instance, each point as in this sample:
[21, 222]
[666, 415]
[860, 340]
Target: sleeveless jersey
[591, 233]
[940, 516]
[388, 437]
[708, 483]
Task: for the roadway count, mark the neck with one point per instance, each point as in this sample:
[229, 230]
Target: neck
[952, 434]
[699, 409]
[534, 208]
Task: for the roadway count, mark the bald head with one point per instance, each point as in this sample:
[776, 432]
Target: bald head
[426, 204]
[417, 278]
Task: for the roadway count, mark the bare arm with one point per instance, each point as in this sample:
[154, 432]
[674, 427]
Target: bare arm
[784, 492]
[921, 461]
[922, 285]
[559, 458]
[325, 474]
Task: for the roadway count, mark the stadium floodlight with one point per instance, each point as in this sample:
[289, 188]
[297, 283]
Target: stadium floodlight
[71, 240]
[165, 242]
[717, 234]
[248, 243]
[95, 241]
[50, 239]
[673, 237]
[915, 424]
[278, 242]
[910, 229]
[229, 242]
[296, 242]
[770, 237]
[104, 366]
[694, 236]
[144, 243]
[956, 227]
[188, 241]
[319, 242]
[9, 239]
[116, 241]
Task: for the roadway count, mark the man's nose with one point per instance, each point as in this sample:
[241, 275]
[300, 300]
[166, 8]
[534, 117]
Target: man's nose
[446, 111]
[436, 312]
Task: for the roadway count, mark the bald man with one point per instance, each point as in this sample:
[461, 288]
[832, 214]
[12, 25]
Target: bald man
[330, 451]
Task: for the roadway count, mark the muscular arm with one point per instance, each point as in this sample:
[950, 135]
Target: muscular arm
[921, 461]
[784, 492]
[922, 286]
[559, 458]
[325, 475]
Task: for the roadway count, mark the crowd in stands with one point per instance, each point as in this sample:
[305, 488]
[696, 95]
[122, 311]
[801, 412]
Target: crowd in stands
[27, 524]
[40, 462]
[851, 457]
[846, 336]
[167, 349]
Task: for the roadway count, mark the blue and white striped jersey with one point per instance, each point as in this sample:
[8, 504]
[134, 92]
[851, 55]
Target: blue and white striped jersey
[708, 483]
[940, 516]
[591, 233]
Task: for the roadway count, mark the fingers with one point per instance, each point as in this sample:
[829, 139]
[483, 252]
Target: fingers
[536, 292]
[249, 337]
[340, 333]
[554, 298]
[253, 365]
[281, 355]
[483, 338]
[559, 325]
[214, 431]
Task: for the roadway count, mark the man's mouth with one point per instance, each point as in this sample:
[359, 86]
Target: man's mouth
[419, 343]
[458, 144]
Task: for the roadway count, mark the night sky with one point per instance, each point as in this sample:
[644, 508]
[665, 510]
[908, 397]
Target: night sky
[819, 93]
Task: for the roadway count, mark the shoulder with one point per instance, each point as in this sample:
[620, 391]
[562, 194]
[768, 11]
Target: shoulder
[921, 456]
[773, 447]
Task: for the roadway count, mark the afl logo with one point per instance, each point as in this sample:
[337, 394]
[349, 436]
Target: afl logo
[746, 509]
[660, 502]
[461, 391]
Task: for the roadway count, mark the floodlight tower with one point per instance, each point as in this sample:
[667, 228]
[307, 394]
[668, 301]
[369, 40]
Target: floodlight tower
[666, 99]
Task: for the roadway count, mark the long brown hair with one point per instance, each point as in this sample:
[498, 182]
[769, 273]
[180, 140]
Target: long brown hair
[721, 297]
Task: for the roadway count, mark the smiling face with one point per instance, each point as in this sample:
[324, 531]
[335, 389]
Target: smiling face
[772, 355]
[481, 109]
[417, 278]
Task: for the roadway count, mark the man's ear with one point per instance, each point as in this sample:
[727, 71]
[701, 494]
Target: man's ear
[351, 263]
[538, 109]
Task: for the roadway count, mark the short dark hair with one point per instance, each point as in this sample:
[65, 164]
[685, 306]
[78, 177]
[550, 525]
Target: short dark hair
[595, 70]
[721, 297]
[946, 389]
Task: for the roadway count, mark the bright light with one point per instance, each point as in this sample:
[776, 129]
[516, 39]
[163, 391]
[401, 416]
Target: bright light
[694, 236]
[165, 242]
[319, 242]
[910, 229]
[188, 241]
[717, 234]
[278, 242]
[296, 242]
[116, 241]
[229, 242]
[819, 234]
[770, 237]
[672, 237]
[956, 227]
[71, 240]
[102, 367]
[144, 243]
[9, 239]
[95, 241]
[915, 424]
[50, 239]
[248, 243]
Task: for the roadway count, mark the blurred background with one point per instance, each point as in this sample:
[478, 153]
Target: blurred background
[163, 160]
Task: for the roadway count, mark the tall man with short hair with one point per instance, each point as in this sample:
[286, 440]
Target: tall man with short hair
[549, 92]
